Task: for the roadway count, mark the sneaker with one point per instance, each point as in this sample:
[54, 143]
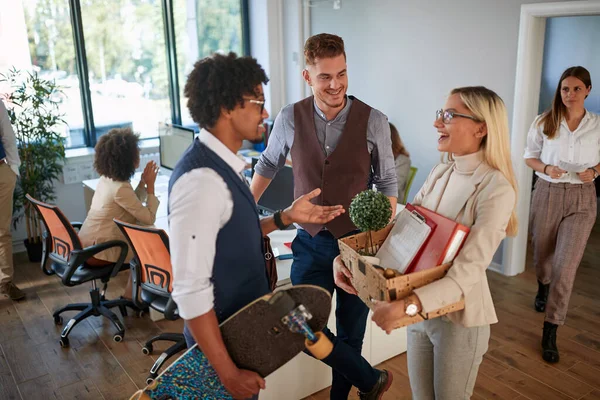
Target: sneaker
[13, 292]
[383, 385]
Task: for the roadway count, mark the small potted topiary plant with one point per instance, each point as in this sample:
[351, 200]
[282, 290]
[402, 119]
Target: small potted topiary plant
[370, 211]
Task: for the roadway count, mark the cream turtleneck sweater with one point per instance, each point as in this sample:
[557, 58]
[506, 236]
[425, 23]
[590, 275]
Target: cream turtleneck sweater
[468, 191]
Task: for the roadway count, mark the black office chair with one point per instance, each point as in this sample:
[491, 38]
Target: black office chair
[152, 281]
[75, 265]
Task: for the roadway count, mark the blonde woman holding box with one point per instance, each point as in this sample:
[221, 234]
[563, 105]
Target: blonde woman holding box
[476, 187]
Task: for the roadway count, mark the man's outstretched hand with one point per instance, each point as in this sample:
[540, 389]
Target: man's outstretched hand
[303, 211]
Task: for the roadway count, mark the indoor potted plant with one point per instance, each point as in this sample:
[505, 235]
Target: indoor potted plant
[370, 211]
[37, 122]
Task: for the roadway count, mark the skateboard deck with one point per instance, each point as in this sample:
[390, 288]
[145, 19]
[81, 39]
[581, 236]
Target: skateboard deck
[261, 337]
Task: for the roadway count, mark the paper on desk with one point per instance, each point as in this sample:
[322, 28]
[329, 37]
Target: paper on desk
[572, 167]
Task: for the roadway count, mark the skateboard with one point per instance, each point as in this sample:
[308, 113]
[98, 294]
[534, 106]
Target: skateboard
[261, 337]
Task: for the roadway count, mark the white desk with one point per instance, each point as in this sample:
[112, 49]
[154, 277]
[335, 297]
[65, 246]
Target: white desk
[303, 375]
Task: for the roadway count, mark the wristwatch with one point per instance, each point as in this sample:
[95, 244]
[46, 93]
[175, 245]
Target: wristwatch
[278, 221]
[411, 309]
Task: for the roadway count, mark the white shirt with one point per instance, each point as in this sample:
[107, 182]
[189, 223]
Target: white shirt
[582, 146]
[200, 204]
[9, 140]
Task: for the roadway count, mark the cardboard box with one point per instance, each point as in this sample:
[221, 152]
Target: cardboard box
[371, 284]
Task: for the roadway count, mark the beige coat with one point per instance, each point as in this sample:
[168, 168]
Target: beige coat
[481, 198]
[113, 199]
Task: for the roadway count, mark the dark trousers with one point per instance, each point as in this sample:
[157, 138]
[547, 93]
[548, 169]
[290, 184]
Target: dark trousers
[313, 264]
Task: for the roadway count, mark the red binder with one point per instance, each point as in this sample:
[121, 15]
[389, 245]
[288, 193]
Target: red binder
[443, 245]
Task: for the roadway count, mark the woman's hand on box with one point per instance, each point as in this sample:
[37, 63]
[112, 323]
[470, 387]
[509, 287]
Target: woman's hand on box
[386, 314]
[342, 276]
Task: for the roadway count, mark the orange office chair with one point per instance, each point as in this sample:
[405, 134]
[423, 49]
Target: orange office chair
[152, 281]
[75, 265]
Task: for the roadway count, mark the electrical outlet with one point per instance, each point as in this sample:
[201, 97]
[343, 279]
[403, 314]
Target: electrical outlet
[337, 4]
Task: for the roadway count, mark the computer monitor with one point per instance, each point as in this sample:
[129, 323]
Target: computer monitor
[280, 193]
[174, 141]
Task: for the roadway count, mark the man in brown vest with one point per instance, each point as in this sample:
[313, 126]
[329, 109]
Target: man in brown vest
[339, 144]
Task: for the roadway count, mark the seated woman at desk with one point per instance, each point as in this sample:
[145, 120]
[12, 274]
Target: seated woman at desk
[476, 187]
[402, 161]
[117, 157]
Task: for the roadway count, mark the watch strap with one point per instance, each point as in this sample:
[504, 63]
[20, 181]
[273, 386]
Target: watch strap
[278, 221]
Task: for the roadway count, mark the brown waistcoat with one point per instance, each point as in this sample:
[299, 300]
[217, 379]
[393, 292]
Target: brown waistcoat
[340, 176]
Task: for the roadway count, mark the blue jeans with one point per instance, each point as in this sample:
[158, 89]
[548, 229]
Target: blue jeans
[313, 264]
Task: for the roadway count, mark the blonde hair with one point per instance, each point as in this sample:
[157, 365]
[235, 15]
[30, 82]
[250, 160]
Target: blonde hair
[487, 106]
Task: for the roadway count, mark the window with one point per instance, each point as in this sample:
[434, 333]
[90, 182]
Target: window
[127, 69]
[130, 76]
[52, 55]
[202, 28]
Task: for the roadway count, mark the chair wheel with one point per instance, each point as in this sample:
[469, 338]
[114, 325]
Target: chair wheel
[149, 380]
[64, 342]
[139, 313]
[147, 350]
[58, 320]
[118, 338]
[321, 348]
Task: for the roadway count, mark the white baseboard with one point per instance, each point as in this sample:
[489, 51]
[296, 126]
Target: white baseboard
[18, 246]
[496, 268]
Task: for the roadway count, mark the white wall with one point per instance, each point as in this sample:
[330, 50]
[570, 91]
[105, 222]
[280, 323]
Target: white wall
[266, 45]
[571, 41]
[405, 56]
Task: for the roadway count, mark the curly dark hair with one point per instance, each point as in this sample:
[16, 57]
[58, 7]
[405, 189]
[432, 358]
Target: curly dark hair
[221, 81]
[117, 154]
[323, 45]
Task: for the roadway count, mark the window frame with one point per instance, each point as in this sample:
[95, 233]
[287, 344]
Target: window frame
[89, 134]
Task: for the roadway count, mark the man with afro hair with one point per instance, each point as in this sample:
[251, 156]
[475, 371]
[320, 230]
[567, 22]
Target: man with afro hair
[216, 235]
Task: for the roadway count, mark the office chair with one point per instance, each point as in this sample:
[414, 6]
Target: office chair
[74, 265]
[153, 283]
[411, 178]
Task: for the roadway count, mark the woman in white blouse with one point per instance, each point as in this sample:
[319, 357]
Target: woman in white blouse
[563, 148]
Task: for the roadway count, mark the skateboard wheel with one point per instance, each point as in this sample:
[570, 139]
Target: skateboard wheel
[321, 348]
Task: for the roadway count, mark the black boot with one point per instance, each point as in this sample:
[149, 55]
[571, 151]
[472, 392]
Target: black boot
[549, 349]
[542, 296]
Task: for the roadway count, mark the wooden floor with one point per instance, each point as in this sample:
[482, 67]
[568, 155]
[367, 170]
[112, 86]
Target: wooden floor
[34, 366]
